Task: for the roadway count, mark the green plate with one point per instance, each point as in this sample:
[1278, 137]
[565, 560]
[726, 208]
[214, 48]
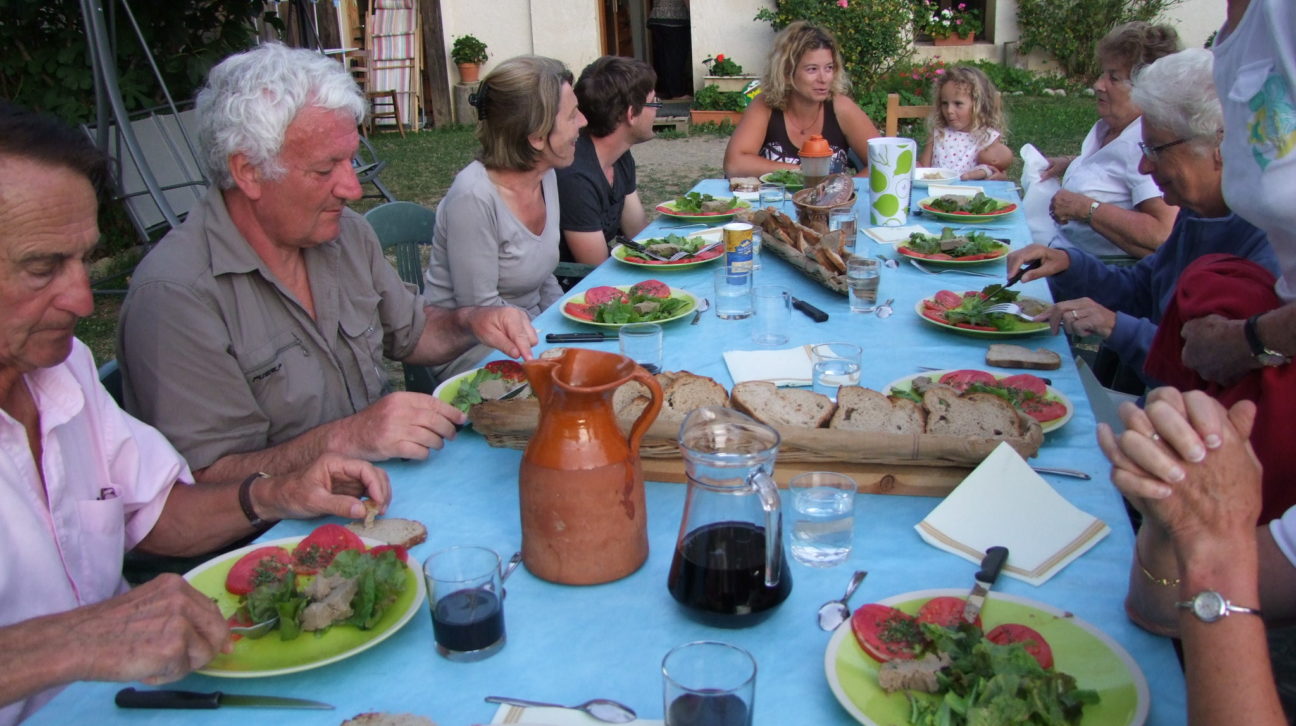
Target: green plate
[580, 298]
[668, 209]
[1097, 662]
[270, 656]
[1051, 394]
[1000, 253]
[789, 188]
[1026, 329]
[925, 206]
[449, 388]
[710, 235]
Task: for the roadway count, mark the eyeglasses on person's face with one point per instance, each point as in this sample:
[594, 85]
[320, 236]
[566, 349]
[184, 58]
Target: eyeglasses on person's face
[653, 104]
[1152, 152]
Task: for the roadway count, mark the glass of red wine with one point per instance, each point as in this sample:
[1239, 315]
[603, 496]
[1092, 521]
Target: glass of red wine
[709, 683]
[466, 596]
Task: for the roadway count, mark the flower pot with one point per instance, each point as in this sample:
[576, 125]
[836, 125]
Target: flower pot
[728, 83]
[469, 72]
[698, 116]
[954, 40]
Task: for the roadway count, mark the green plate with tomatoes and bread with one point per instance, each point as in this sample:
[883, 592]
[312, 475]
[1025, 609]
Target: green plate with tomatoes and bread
[695, 207]
[1073, 646]
[954, 249]
[1025, 391]
[697, 241]
[649, 301]
[269, 655]
[987, 209]
[959, 313]
[490, 382]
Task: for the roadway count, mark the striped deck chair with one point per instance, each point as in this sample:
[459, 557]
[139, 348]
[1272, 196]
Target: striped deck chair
[394, 41]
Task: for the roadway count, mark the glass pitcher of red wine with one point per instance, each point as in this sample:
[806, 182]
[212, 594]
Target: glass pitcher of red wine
[729, 568]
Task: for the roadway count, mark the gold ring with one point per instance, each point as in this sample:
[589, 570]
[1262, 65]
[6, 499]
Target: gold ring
[1155, 436]
[1075, 315]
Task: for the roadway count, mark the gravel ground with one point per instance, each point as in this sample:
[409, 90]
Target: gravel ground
[669, 167]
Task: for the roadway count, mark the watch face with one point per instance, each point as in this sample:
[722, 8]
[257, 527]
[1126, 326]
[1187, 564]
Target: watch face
[1209, 606]
[1271, 359]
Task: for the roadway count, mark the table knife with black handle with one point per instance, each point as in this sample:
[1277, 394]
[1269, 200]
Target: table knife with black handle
[993, 562]
[167, 698]
[578, 337]
[811, 311]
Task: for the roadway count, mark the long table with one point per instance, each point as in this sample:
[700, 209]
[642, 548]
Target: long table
[568, 644]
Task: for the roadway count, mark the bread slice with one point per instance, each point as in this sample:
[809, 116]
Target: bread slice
[393, 531]
[768, 404]
[374, 718]
[863, 409]
[689, 392]
[744, 184]
[974, 414]
[1005, 355]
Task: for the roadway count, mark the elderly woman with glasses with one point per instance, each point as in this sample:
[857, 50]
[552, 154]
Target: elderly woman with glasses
[1181, 129]
[1106, 205]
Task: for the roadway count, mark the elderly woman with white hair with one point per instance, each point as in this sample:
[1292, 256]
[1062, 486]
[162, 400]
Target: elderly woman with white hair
[1182, 127]
[497, 229]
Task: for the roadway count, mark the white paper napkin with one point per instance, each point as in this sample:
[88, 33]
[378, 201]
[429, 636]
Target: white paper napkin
[788, 367]
[893, 235]
[956, 190]
[1004, 502]
[530, 716]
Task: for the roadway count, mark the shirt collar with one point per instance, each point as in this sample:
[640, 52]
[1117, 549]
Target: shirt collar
[230, 252]
[57, 395]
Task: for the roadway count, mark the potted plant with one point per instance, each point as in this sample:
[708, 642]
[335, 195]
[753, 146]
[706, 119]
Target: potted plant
[955, 25]
[712, 105]
[723, 72]
[468, 53]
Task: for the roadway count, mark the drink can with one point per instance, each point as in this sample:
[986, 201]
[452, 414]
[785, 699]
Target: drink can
[739, 247]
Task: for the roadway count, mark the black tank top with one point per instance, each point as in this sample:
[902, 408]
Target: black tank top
[778, 147]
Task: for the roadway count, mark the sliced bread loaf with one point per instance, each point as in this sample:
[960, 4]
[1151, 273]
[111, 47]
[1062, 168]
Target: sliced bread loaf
[863, 409]
[392, 530]
[973, 414]
[771, 405]
[1004, 355]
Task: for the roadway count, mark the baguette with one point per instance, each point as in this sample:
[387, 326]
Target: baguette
[974, 414]
[393, 531]
[766, 403]
[863, 409]
[1003, 355]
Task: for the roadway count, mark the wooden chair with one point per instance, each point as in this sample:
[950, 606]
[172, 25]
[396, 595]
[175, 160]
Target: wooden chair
[895, 112]
[403, 227]
[394, 43]
[379, 104]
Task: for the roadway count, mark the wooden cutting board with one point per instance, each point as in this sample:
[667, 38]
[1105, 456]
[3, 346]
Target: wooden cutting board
[923, 481]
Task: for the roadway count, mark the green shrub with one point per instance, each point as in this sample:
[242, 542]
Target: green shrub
[711, 98]
[874, 34]
[468, 49]
[722, 65]
[1069, 30]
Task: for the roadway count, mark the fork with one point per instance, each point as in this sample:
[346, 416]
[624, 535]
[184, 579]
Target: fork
[702, 307]
[256, 630]
[685, 253]
[1009, 308]
[931, 271]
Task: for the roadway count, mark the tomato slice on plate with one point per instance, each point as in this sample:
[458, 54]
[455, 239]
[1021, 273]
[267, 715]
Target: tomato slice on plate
[318, 549]
[260, 565]
[509, 370]
[947, 299]
[651, 288]
[960, 380]
[886, 633]
[1034, 643]
[1025, 382]
[583, 311]
[1043, 409]
[402, 554]
[946, 611]
[604, 294]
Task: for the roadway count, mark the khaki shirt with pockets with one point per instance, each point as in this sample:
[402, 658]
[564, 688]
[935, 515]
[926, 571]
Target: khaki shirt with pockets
[221, 357]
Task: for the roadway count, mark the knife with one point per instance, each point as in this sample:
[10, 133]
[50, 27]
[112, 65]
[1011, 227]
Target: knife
[995, 558]
[811, 311]
[1017, 276]
[578, 337]
[131, 698]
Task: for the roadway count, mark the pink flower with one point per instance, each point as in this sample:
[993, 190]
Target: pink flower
[959, 21]
[841, 3]
[940, 71]
[962, 6]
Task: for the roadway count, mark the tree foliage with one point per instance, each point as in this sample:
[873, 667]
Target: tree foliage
[46, 63]
[1069, 30]
[874, 35]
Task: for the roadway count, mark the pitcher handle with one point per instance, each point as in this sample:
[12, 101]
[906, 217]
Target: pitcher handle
[767, 490]
[649, 414]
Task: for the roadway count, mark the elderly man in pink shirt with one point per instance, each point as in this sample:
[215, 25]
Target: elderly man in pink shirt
[81, 482]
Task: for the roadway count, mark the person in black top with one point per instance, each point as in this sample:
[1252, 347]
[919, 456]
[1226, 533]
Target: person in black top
[597, 193]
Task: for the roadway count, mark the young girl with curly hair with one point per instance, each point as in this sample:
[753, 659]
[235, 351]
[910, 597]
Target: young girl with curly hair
[967, 126]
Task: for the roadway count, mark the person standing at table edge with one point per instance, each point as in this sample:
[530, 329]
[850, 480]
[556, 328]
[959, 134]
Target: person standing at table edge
[598, 193]
[253, 334]
[81, 481]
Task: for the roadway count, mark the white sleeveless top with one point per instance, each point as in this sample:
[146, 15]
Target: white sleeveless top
[957, 150]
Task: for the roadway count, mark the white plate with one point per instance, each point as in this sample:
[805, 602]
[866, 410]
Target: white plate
[1051, 393]
[922, 176]
[270, 656]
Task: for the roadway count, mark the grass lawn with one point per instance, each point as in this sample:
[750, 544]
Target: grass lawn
[421, 167]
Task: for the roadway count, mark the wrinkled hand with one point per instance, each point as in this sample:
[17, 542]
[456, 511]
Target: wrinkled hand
[401, 424]
[1051, 261]
[155, 633]
[1187, 464]
[505, 328]
[1081, 316]
[1056, 168]
[1217, 349]
[1067, 205]
[331, 485]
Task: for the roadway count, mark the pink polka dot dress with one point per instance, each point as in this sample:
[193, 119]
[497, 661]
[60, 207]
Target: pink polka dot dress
[957, 150]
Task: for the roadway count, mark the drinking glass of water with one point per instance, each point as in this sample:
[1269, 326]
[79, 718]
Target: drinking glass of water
[733, 293]
[772, 195]
[709, 683]
[862, 278]
[642, 343]
[466, 595]
[844, 218]
[835, 365]
[823, 518]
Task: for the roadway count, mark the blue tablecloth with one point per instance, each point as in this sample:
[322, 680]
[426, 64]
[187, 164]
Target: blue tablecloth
[568, 644]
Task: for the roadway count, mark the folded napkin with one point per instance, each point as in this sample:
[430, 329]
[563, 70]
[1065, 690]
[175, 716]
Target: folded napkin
[956, 190]
[790, 367]
[893, 235]
[1004, 502]
[532, 716]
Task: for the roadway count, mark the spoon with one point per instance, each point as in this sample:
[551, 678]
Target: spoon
[835, 612]
[602, 709]
[702, 307]
[884, 310]
[888, 262]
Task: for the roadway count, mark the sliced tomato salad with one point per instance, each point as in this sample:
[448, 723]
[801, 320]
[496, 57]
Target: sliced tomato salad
[1003, 210]
[710, 254]
[946, 611]
[318, 549]
[584, 311]
[886, 633]
[263, 564]
[402, 554]
[1026, 391]
[649, 288]
[996, 254]
[1030, 639]
[605, 294]
[509, 370]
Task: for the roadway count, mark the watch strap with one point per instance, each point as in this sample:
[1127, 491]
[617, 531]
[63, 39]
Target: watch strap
[1093, 207]
[1226, 608]
[1266, 356]
[245, 500]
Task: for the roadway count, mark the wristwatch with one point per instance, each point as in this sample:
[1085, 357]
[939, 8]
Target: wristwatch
[1093, 207]
[1210, 606]
[1266, 356]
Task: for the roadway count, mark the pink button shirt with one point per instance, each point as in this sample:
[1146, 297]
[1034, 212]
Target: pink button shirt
[107, 477]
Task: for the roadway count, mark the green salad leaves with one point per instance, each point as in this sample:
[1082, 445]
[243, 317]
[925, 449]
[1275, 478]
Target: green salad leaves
[786, 177]
[979, 204]
[640, 309]
[699, 203]
[954, 245]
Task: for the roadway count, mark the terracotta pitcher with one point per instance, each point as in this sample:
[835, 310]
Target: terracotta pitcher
[581, 486]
